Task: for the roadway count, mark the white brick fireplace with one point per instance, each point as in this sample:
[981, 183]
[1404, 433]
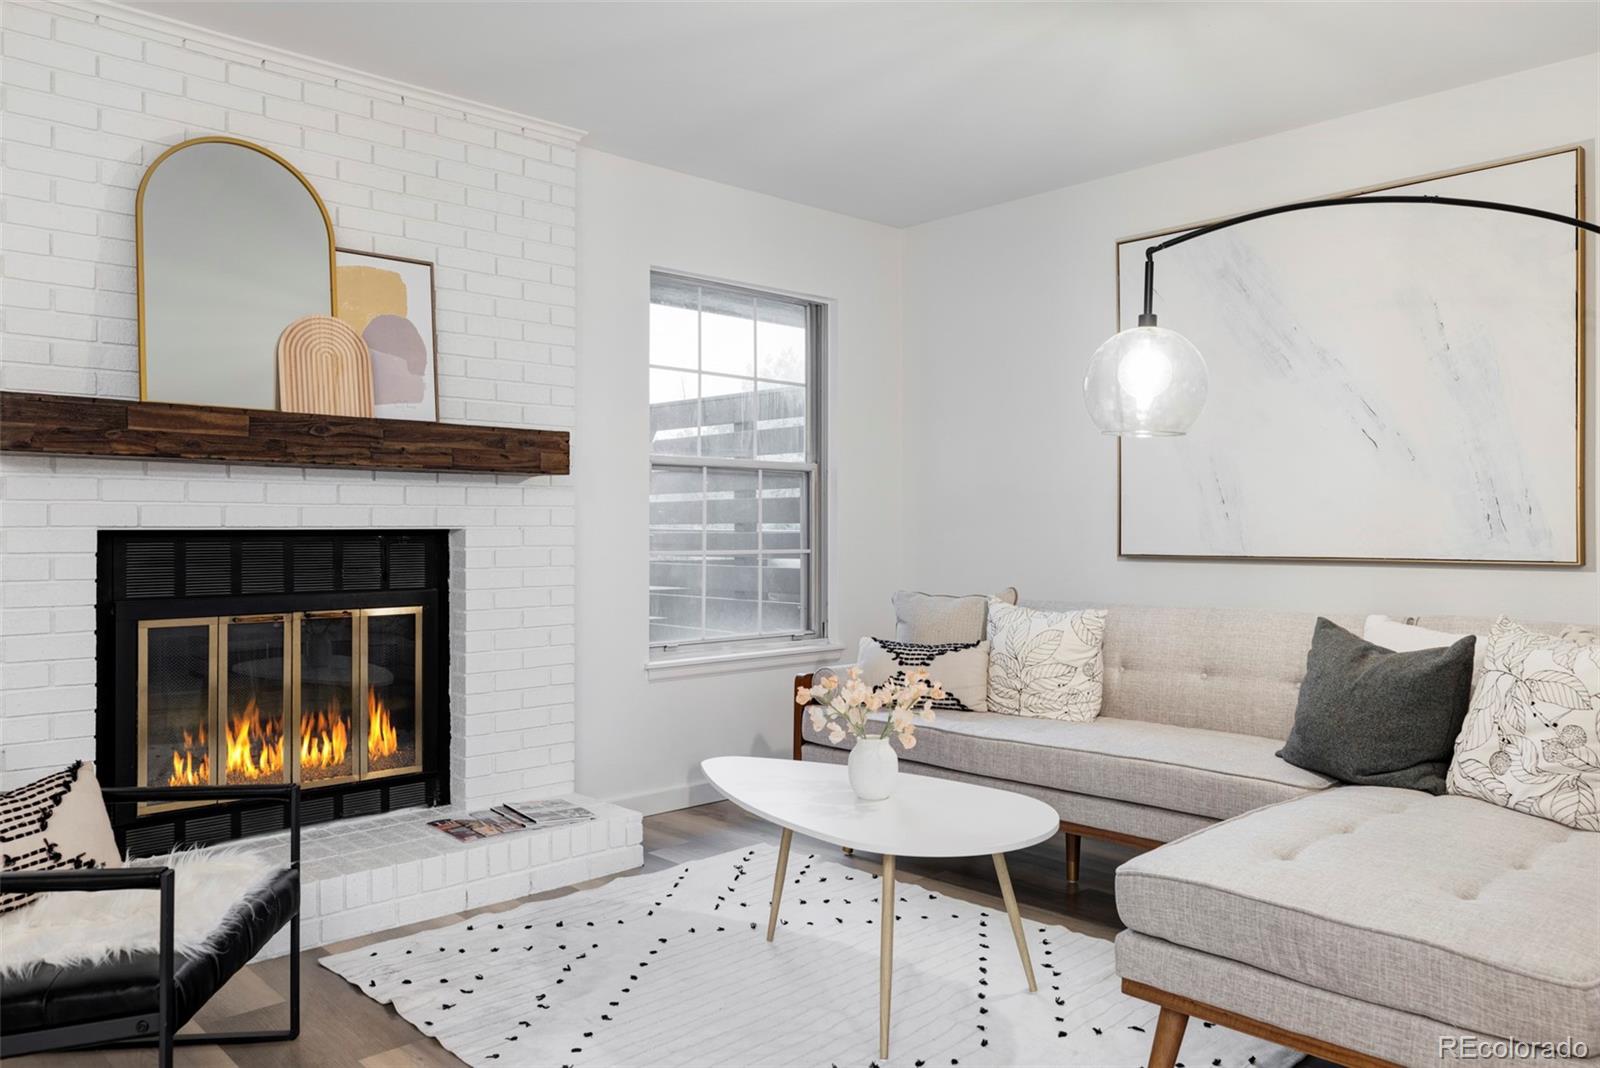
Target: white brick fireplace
[93, 94]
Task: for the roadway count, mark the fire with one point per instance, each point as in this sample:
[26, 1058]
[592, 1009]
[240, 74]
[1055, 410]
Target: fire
[186, 771]
[324, 738]
[254, 745]
[382, 739]
[255, 748]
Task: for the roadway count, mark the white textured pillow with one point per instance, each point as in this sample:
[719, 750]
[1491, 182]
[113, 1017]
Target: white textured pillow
[1529, 741]
[1045, 664]
[962, 668]
[1408, 638]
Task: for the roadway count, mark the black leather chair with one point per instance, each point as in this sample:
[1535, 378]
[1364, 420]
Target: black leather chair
[144, 998]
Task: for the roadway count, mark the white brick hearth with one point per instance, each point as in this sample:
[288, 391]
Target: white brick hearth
[93, 93]
[371, 874]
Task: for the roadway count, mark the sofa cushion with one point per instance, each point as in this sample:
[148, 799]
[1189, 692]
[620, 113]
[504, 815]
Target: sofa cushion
[960, 668]
[1529, 742]
[1445, 906]
[942, 619]
[1046, 664]
[1375, 717]
[1182, 769]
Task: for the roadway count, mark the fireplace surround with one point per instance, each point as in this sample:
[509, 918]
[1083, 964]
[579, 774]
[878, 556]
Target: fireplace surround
[270, 657]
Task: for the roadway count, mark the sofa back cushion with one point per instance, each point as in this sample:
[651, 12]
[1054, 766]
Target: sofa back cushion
[1224, 669]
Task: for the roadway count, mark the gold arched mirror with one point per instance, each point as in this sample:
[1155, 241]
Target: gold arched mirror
[233, 245]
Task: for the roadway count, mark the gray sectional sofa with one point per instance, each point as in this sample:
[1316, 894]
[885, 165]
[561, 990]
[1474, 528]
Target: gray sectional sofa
[1368, 926]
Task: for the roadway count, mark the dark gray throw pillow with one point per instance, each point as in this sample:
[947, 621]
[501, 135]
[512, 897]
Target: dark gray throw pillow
[1374, 717]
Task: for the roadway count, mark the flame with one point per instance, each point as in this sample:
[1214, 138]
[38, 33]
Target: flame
[255, 744]
[185, 772]
[324, 737]
[255, 748]
[382, 739]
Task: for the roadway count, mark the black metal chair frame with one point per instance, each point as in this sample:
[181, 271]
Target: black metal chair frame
[159, 1029]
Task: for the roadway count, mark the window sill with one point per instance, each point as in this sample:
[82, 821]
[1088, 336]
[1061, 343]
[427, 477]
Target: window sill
[817, 652]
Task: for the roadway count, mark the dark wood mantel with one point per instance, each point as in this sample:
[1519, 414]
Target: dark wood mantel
[62, 425]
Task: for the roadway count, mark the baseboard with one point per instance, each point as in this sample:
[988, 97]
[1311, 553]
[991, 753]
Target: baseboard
[672, 798]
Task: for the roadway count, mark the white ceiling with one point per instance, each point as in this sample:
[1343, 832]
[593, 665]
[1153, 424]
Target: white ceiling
[903, 112]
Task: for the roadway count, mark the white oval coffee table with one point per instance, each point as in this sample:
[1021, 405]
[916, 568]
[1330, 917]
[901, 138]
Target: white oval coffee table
[925, 817]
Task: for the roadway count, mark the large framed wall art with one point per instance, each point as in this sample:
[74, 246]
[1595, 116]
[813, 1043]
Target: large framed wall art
[1402, 383]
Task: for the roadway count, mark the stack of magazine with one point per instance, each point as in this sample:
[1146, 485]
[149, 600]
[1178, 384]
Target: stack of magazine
[512, 817]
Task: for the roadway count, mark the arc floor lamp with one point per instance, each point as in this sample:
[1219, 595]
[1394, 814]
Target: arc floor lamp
[1149, 381]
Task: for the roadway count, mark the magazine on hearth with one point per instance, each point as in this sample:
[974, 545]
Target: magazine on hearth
[475, 825]
[551, 813]
[510, 818]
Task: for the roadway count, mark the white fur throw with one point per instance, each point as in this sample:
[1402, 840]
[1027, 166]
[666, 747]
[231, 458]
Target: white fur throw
[83, 928]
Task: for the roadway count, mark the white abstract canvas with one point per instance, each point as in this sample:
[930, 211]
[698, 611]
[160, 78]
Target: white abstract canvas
[1393, 382]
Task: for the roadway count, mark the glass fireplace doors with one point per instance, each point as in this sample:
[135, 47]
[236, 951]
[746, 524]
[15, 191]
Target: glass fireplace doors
[311, 697]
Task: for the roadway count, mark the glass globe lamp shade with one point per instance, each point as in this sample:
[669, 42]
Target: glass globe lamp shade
[1145, 382]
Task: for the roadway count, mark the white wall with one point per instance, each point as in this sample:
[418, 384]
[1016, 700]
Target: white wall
[1004, 306]
[640, 740]
[92, 95]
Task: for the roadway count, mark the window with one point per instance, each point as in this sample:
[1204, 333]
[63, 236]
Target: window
[735, 471]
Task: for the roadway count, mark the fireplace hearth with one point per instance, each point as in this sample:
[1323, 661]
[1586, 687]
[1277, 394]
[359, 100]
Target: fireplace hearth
[268, 658]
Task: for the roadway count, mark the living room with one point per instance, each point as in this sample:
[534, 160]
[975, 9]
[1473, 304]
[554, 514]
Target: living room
[798, 534]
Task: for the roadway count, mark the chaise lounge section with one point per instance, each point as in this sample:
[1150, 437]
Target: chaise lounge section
[1368, 925]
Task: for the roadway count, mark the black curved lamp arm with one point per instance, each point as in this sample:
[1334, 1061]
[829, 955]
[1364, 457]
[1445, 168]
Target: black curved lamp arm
[1149, 316]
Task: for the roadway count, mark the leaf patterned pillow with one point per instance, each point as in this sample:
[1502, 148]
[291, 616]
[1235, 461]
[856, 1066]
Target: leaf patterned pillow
[1045, 664]
[1529, 741]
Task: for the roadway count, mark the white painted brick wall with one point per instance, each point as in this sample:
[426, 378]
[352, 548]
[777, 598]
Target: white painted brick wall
[92, 95]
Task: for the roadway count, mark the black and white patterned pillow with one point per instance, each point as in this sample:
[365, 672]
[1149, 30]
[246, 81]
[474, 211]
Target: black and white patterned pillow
[962, 668]
[58, 822]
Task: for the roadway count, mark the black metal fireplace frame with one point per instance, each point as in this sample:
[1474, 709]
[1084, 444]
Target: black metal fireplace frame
[128, 596]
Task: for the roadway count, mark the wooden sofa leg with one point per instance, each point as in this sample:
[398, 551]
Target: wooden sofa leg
[1074, 848]
[1169, 1036]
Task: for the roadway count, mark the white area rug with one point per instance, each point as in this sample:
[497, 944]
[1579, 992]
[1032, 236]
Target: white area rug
[673, 968]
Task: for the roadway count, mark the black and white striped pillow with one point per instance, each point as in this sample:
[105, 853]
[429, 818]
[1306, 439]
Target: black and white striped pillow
[58, 822]
[962, 668]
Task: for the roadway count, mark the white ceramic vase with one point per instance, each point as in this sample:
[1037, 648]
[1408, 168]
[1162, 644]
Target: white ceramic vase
[873, 768]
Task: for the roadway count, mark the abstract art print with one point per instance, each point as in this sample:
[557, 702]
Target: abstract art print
[1387, 383]
[388, 300]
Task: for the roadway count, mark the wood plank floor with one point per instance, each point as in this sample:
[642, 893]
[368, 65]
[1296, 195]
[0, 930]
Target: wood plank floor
[343, 1028]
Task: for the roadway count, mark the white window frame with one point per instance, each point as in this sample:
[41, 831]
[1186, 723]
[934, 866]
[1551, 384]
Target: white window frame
[814, 636]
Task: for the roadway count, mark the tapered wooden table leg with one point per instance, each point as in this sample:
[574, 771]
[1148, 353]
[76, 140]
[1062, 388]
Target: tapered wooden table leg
[777, 881]
[885, 955]
[1010, 899]
[1074, 852]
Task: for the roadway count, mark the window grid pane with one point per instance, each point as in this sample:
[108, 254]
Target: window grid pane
[730, 547]
[733, 584]
[739, 371]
